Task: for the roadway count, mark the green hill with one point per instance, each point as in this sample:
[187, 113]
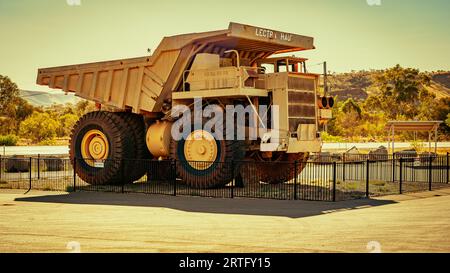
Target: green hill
[38, 98]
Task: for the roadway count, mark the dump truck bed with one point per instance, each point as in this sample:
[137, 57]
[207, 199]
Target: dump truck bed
[143, 84]
[127, 83]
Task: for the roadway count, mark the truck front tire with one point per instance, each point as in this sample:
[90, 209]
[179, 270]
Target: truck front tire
[216, 169]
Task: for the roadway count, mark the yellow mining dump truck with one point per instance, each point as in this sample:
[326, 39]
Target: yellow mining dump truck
[225, 67]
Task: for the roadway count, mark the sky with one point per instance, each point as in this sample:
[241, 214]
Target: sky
[349, 34]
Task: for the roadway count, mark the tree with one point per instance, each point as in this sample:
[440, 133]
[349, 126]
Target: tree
[39, 127]
[347, 119]
[83, 107]
[440, 111]
[9, 92]
[13, 109]
[351, 105]
[401, 91]
[67, 122]
[23, 109]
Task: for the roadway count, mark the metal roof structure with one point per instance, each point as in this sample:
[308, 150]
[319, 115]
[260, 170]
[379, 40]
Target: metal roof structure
[413, 126]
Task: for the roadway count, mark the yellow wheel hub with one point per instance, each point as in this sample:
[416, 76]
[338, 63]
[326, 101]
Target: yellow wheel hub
[94, 147]
[200, 149]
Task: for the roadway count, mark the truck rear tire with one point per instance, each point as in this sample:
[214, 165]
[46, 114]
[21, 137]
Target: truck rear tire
[213, 166]
[137, 166]
[100, 143]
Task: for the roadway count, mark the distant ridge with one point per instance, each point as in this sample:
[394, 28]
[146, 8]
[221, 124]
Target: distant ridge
[38, 98]
[357, 84]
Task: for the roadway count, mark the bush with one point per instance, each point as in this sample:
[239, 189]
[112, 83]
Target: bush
[9, 140]
[47, 142]
[329, 138]
[39, 127]
[417, 145]
[67, 122]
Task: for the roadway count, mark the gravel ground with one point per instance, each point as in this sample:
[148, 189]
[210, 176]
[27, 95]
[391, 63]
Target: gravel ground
[109, 222]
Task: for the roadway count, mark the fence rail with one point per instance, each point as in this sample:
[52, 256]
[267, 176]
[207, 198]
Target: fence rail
[315, 180]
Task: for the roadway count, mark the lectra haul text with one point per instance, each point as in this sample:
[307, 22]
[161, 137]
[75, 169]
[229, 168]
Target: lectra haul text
[267, 33]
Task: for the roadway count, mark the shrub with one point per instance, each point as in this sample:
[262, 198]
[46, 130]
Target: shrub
[9, 140]
[47, 142]
[67, 122]
[39, 127]
[329, 138]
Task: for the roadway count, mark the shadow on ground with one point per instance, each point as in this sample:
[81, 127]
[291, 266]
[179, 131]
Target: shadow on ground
[259, 207]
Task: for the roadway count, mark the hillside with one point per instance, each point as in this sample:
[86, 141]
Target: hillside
[37, 98]
[443, 78]
[358, 84]
[440, 84]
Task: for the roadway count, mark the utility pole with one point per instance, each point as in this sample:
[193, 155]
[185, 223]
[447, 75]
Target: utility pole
[325, 80]
[325, 88]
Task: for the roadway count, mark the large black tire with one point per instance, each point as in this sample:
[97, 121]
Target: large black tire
[119, 138]
[276, 170]
[137, 164]
[220, 173]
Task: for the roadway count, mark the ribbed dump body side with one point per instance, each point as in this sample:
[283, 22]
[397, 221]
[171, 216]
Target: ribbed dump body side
[130, 83]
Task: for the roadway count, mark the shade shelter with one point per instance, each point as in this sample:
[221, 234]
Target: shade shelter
[412, 126]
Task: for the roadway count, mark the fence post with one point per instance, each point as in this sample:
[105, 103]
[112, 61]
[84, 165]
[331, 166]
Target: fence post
[401, 175]
[1, 168]
[367, 177]
[174, 177]
[430, 174]
[343, 168]
[393, 167]
[30, 164]
[232, 183]
[447, 167]
[39, 166]
[75, 174]
[295, 179]
[334, 181]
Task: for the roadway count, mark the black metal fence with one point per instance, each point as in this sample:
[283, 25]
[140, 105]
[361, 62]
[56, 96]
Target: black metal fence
[315, 180]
